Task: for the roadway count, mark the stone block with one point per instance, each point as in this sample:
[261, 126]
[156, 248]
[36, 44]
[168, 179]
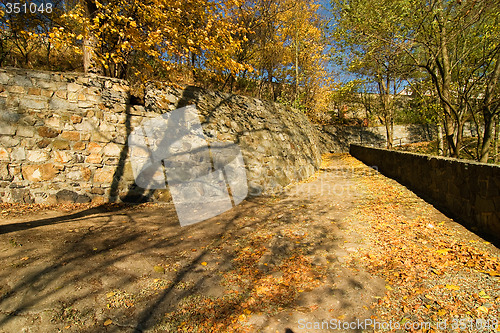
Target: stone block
[82, 80]
[484, 204]
[60, 144]
[86, 126]
[15, 170]
[80, 145]
[62, 156]
[121, 118]
[27, 120]
[74, 175]
[73, 97]
[22, 195]
[34, 91]
[43, 172]
[38, 156]
[41, 76]
[76, 119]
[31, 103]
[57, 103]
[4, 154]
[71, 135]
[54, 121]
[4, 173]
[27, 132]
[47, 93]
[101, 137]
[66, 196]
[93, 98]
[7, 129]
[18, 154]
[78, 158]
[112, 149]
[111, 161]
[40, 197]
[47, 132]
[86, 173]
[85, 104]
[73, 87]
[62, 94]
[82, 198]
[4, 78]
[104, 175]
[94, 158]
[120, 88]
[99, 200]
[496, 200]
[97, 190]
[29, 143]
[110, 117]
[137, 110]
[9, 116]
[8, 141]
[98, 115]
[107, 127]
[16, 89]
[94, 147]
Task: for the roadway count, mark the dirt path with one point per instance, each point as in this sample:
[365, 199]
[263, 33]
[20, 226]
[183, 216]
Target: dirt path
[286, 263]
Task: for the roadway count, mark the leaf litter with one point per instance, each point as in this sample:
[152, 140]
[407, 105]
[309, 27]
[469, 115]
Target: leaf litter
[434, 272]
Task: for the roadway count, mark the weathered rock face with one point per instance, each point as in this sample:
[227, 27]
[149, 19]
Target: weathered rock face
[63, 136]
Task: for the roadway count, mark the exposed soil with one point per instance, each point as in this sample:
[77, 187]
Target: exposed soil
[318, 252]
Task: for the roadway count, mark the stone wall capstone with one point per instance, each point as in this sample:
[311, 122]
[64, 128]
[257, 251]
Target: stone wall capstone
[63, 136]
[469, 191]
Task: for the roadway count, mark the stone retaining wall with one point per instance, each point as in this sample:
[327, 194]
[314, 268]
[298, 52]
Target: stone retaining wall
[63, 136]
[468, 191]
[279, 144]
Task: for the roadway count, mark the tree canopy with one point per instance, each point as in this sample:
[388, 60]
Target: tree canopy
[269, 49]
[454, 45]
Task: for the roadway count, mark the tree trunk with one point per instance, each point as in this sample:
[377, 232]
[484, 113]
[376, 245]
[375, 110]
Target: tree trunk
[440, 143]
[459, 138]
[442, 61]
[479, 137]
[48, 55]
[296, 66]
[450, 133]
[389, 130]
[489, 121]
[495, 141]
[90, 8]
[384, 90]
[489, 110]
[87, 55]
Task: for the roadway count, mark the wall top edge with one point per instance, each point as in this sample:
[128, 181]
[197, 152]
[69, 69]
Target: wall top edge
[34, 72]
[430, 157]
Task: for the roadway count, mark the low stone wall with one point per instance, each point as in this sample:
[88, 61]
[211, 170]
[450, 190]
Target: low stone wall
[468, 191]
[63, 136]
[338, 138]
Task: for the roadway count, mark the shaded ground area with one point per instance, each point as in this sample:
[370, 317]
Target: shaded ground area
[346, 245]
